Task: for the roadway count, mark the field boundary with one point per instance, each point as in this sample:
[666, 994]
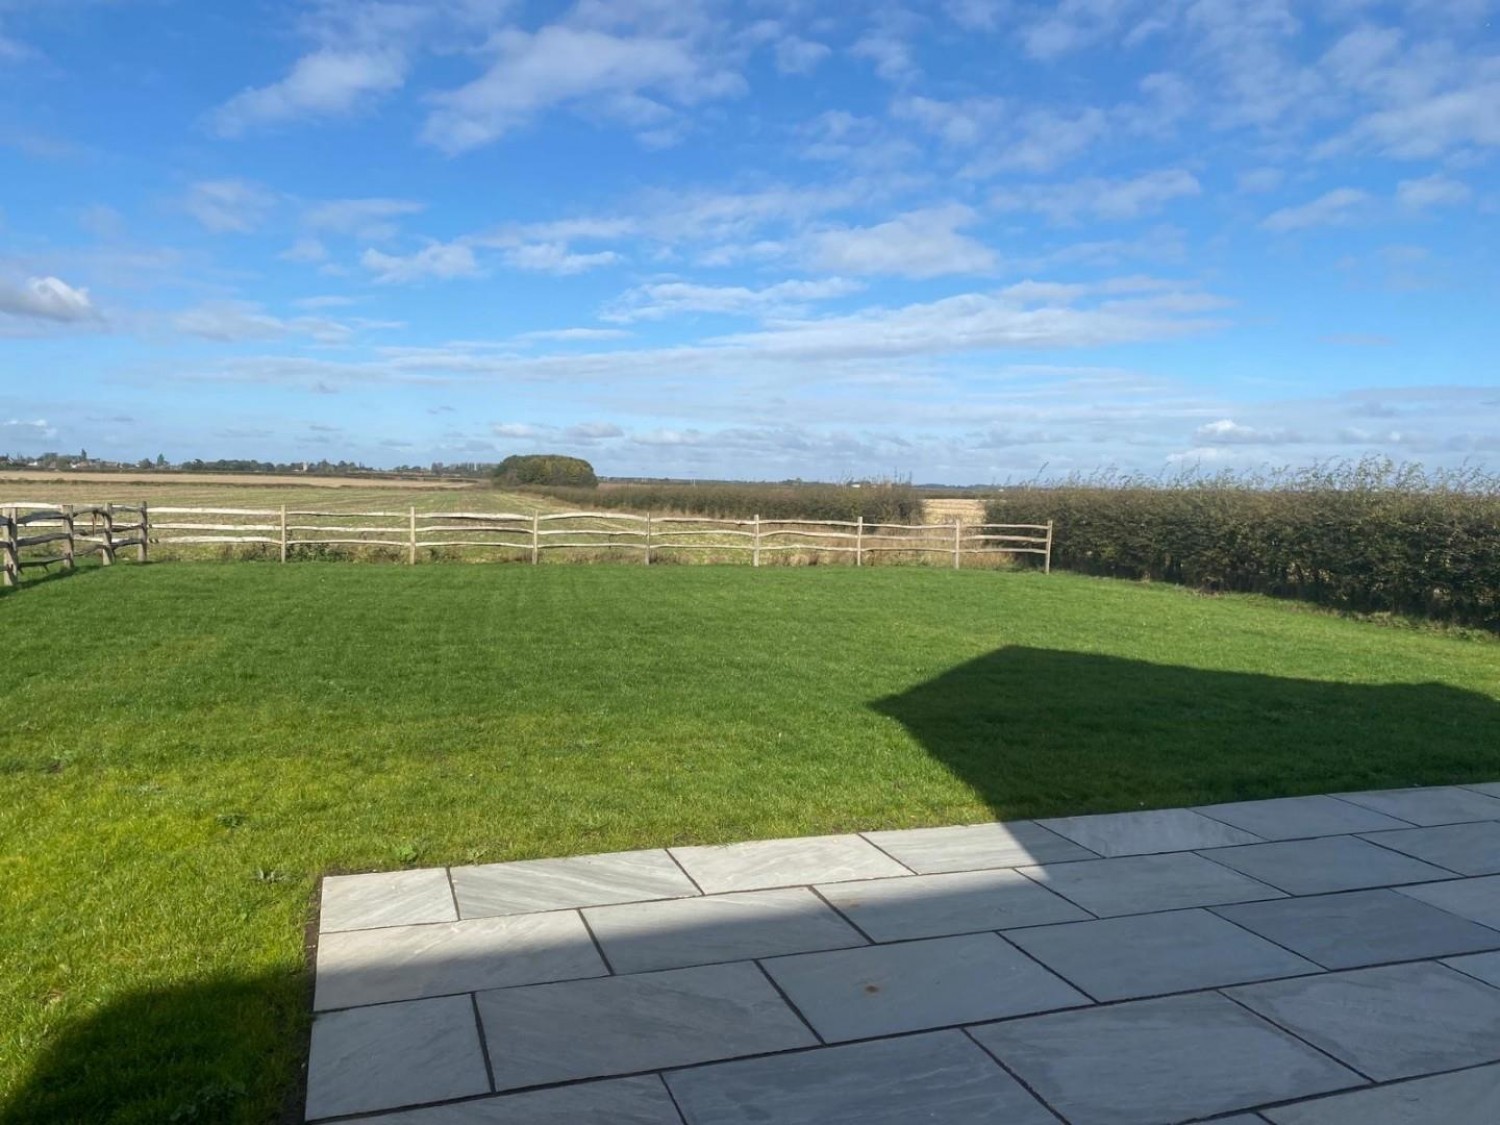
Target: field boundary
[286, 530]
[57, 527]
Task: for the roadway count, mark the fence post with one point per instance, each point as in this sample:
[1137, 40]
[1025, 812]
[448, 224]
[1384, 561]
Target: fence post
[283, 533]
[648, 538]
[1047, 559]
[411, 543]
[67, 519]
[536, 538]
[107, 554]
[958, 530]
[755, 553]
[142, 553]
[9, 569]
[859, 543]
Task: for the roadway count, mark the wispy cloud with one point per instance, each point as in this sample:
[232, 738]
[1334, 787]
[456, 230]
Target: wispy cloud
[925, 243]
[1332, 208]
[229, 206]
[435, 261]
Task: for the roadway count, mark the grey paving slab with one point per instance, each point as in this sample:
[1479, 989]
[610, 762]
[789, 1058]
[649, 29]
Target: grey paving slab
[1154, 1061]
[1396, 1021]
[1346, 931]
[1296, 818]
[1151, 954]
[1469, 849]
[1326, 865]
[613, 1101]
[974, 847]
[394, 1055]
[1470, 1097]
[1475, 899]
[531, 885]
[1137, 884]
[1425, 807]
[408, 962]
[639, 937]
[913, 986]
[785, 863]
[1143, 833]
[1489, 788]
[960, 902]
[938, 1077]
[1484, 966]
[548, 1033]
[386, 898]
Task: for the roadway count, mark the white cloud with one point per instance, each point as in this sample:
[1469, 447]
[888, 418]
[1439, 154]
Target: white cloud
[592, 431]
[1425, 127]
[440, 260]
[657, 300]
[1226, 431]
[561, 65]
[229, 322]
[1332, 208]
[46, 298]
[1101, 198]
[221, 206]
[977, 15]
[1432, 191]
[309, 251]
[572, 335]
[873, 341]
[890, 54]
[38, 429]
[364, 218]
[329, 301]
[958, 123]
[925, 243]
[1258, 181]
[795, 55]
[1041, 140]
[234, 322]
[557, 258]
[14, 51]
[327, 83]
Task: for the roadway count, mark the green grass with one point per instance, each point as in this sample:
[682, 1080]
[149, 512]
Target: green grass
[184, 749]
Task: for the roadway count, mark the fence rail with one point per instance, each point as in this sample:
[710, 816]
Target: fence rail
[60, 523]
[528, 535]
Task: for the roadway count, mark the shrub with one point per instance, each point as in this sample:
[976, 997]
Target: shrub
[545, 469]
[1368, 536]
[877, 503]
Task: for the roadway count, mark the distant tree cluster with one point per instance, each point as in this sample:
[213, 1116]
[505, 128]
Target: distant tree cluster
[550, 469]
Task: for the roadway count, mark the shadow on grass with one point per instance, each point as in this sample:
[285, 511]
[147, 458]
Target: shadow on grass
[216, 1050]
[31, 580]
[1042, 732]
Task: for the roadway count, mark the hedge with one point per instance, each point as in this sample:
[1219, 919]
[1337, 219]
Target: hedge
[1365, 537]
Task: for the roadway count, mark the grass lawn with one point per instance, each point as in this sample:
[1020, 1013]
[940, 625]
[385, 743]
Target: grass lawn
[185, 748]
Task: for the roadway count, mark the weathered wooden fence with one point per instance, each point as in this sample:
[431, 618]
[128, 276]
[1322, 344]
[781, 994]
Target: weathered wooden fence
[289, 533]
[62, 528]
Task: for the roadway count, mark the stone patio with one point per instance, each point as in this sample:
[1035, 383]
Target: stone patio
[1307, 961]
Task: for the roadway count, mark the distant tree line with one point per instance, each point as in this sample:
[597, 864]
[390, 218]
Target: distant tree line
[58, 462]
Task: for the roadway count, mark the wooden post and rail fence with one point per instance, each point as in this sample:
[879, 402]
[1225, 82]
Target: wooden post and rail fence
[67, 530]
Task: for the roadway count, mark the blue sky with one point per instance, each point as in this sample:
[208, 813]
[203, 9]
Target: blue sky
[964, 240]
